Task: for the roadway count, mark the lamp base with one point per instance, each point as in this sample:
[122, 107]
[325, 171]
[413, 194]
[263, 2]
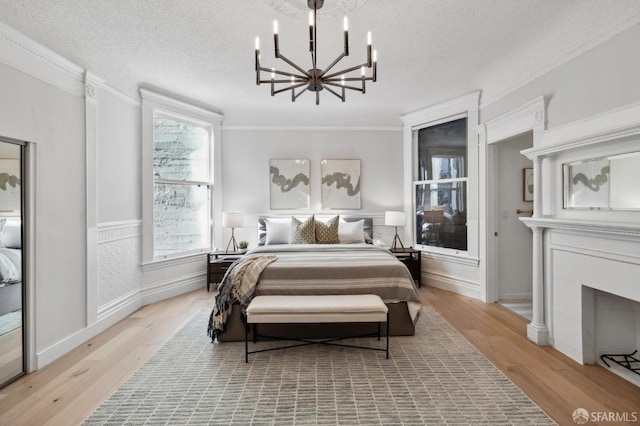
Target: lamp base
[232, 243]
[396, 239]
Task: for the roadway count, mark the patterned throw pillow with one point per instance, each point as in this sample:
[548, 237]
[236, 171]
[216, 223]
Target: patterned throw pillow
[327, 233]
[303, 232]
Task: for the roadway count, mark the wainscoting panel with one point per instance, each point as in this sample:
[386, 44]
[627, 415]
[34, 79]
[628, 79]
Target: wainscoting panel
[118, 263]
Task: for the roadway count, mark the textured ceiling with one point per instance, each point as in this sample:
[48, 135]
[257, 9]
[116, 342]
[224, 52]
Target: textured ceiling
[429, 50]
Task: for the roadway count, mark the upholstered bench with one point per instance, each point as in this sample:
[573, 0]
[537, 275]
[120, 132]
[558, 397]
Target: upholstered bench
[288, 309]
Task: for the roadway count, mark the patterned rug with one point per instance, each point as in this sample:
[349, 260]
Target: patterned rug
[434, 377]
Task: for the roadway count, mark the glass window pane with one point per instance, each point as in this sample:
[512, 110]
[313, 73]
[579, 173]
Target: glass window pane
[180, 150]
[181, 218]
[441, 214]
[442, 151]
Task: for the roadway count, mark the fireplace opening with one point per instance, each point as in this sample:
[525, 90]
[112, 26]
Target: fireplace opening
[616, 333]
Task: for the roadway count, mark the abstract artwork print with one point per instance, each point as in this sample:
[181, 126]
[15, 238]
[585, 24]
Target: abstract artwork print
[340, 184]
[289, 184]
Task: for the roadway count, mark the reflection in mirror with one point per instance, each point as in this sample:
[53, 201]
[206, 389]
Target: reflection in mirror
[11, 288]
[608, 183]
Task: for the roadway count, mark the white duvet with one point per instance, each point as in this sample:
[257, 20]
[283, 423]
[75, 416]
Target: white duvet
[10, 265]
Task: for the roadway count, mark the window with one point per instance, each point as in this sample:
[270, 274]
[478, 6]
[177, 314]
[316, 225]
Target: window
[179, 148]
[441, 188]
[181, 186]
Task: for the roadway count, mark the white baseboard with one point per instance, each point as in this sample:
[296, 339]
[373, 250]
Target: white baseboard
[165, 290]
[114, 313]
[515, 296]
[453, 284]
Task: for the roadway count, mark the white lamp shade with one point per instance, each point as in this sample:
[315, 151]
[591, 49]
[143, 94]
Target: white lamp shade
[393, 218]
[232, 220]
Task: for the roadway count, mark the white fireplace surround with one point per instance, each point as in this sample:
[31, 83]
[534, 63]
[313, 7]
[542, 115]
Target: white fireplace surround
[587, 257]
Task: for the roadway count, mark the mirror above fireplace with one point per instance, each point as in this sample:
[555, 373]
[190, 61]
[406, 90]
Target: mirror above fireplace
[606, 183]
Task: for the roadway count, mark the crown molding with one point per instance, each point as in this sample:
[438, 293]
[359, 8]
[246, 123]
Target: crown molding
[319, 129]
[24, 54]
[499, 94]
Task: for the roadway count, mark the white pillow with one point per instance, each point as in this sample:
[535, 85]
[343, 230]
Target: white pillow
[278, 231]
[351, 232]
[11, 235]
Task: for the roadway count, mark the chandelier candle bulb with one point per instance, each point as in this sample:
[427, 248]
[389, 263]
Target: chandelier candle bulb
[258, 60]
[375, 66]
[346, 36]
[276, 40]
[311, 31]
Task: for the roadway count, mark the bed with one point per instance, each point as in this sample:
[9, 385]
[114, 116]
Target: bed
[10, 267]
[342, 268]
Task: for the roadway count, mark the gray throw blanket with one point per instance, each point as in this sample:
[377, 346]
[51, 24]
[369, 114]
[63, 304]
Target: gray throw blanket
[238, 285]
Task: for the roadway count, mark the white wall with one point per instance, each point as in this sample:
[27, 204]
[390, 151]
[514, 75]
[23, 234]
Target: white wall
[515, 250]
[118, 158]
[53, 119]
[245, 174]
[599, 80]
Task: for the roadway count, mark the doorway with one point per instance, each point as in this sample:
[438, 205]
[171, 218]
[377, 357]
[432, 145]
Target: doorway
[12, 334]
[514, 250]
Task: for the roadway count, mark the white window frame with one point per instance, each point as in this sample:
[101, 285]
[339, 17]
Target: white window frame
[154, 102]
[465, 106]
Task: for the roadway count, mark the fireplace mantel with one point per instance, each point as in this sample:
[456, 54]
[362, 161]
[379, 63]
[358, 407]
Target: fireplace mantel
[627, 229]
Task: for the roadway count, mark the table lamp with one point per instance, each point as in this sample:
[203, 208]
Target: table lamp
[232, 220]
[395, 218]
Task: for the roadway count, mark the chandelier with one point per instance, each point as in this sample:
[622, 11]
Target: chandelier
[315, 79]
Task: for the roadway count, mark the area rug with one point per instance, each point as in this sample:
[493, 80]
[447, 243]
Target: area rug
[435, 377]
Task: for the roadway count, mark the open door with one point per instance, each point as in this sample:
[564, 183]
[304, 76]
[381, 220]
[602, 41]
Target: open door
[514, 249]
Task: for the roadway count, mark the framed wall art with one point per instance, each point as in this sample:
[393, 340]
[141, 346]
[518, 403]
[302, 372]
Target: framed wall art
[340, 184]
[527, 184]
[289, 184]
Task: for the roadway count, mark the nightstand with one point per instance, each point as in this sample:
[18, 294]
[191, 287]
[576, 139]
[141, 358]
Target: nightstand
[217, 264]
[411, 258]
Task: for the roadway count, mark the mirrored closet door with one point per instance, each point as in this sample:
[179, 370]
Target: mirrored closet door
[11, 266]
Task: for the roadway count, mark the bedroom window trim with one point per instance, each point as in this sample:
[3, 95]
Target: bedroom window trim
[463, 107]
[157, 104]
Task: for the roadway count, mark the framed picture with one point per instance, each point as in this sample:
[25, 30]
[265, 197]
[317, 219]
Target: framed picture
[527, 184]
[10, 189]
[586, 184]
[289, 184]
[340, 184]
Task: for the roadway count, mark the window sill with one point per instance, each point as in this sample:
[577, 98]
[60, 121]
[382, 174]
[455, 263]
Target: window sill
[175, 260]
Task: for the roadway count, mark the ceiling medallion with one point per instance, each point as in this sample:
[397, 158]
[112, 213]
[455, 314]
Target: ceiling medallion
[315, 79]
[296, 8]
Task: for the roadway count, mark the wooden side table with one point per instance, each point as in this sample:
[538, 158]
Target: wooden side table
[412, 258]
[217, 264]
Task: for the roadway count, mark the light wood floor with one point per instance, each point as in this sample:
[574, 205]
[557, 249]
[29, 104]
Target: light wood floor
[68, 390]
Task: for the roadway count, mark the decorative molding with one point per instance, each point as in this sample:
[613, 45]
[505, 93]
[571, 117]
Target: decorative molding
[174, 261]
[131, 298]
[173, 287]
[515, 122]
[599, 227]
[161, 101]
[450, 258]
[113, 231]
[442, 110]
[451, 283]
[616, 124]
[315, 129]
